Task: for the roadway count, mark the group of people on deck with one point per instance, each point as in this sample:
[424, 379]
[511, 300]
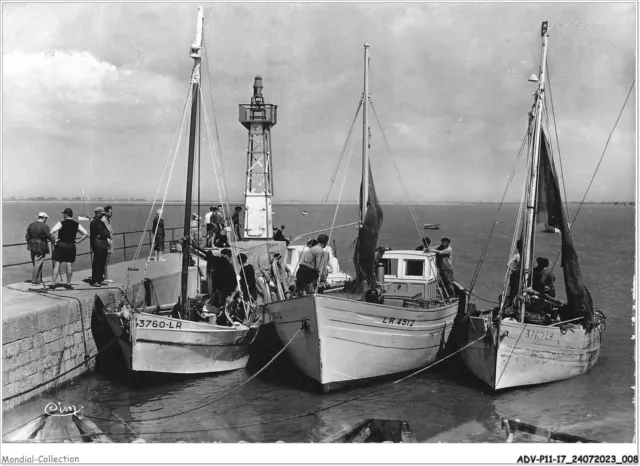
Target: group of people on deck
[543, 283]
[63, 238]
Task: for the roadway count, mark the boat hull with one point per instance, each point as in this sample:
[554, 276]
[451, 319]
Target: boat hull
[345, 340]
[516, 354]
[164, 344]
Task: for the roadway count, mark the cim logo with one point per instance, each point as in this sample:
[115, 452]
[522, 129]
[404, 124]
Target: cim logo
[58, 409]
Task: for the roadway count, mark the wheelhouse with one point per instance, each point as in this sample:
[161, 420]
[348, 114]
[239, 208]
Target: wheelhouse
[411, 273]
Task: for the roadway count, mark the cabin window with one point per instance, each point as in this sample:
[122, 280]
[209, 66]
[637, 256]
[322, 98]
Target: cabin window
[390, 266]
[414, 268]
[289, 256]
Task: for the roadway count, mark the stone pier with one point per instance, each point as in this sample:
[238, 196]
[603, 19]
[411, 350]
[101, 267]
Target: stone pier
[47, 334]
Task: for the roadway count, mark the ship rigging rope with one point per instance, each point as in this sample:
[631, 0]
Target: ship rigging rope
[414, 216]
[273, 421]
[335, 215]
[476, 273]
[344, 147]
[176, 140]
[597, 166]
[190, 410]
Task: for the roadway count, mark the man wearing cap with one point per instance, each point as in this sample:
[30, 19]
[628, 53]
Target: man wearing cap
[65, 248]
[313, 265]
[99, 235]
[444, 262]
[38, 234]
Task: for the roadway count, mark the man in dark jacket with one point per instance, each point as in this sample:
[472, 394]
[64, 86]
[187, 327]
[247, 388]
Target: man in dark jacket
[99, 236]
[247, 279]
[38, 234]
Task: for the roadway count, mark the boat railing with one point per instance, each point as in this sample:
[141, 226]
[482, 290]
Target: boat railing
[122, 241]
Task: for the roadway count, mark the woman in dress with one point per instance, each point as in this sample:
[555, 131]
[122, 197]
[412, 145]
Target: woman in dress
[158, 228]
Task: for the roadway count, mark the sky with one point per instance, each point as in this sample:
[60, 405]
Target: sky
[93, 96]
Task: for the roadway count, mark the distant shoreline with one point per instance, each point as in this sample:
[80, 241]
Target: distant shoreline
[241, 203]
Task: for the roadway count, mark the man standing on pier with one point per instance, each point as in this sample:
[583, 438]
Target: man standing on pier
[100, 247]
[64, 251]
[38, 234]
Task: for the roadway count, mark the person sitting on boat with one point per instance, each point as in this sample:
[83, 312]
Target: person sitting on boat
[514, 276]
[312, 267]
[444, 255]
[247, 279]
[544, 284]
[426, 242]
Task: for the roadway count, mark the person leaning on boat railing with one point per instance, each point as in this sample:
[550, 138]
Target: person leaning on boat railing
[313, 267]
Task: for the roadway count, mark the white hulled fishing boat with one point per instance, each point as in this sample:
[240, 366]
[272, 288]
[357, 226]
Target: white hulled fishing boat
[396, 318]
[185, 337]
[532, 337]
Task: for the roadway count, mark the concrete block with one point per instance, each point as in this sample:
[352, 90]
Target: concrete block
[26, 344]
[10, 349]
[50, 335]
[35, 354]
[30, 369]
[77, 338]
[16, 361]
[38, 340]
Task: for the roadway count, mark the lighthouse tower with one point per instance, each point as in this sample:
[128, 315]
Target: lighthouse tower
[258, 118]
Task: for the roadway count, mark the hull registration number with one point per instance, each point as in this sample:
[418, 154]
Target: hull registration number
[401, 322]
[538, 335]
[152, 323]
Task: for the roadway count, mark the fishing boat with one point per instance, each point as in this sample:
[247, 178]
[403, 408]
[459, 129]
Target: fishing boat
[189, 336]
[431, 226]
[533, 337]
[394, 317]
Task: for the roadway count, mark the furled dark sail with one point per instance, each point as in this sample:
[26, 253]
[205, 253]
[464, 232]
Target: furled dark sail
[550, 201]
[366, 243]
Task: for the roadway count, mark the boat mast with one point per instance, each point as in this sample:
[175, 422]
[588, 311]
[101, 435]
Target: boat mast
[195, 87]
[365, 139]
[532, 188]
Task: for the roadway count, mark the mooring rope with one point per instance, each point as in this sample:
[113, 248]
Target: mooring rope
[294, 416]
[168, 416]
